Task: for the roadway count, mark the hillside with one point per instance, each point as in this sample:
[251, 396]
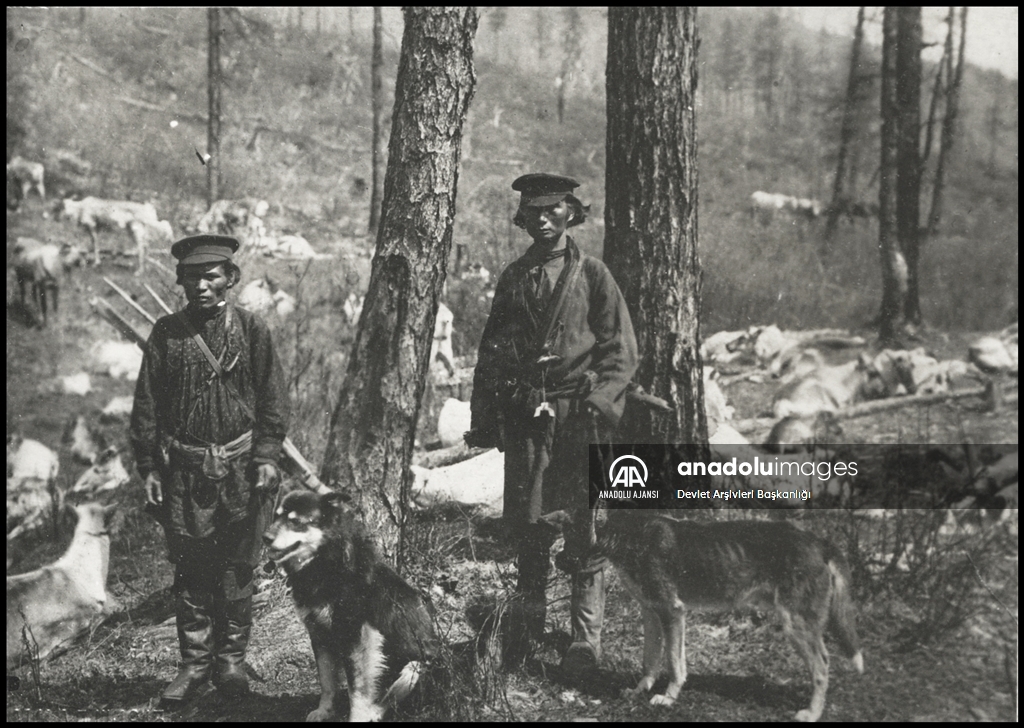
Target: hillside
[296, 132]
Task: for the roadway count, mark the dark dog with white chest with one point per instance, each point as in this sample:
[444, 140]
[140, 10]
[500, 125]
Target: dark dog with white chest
[671, 565]
[363, 619]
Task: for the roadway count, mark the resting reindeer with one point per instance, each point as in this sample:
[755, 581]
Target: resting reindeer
[50, 607]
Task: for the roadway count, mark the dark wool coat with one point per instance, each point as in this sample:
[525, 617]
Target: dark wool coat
[546, 458]
[177, 396]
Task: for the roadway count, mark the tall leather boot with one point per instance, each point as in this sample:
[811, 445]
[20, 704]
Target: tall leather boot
[586, 613]
[534, 567]
[233, 623]
[195, 638]
[521, 624]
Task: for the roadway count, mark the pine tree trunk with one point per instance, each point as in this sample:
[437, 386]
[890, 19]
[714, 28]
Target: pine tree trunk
[908, 155]
[372, 429]
[948, 135]
[651, 209]
[377, 93]
[213, 102]
[894, 267]
[846, 133]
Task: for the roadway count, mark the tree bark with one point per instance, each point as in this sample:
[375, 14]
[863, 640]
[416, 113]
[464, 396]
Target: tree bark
[377, 93]
[908, 155]
[894, 266]
[953, 78]
[372, 429]
[213, 102]
[846, 134]
[651, 211]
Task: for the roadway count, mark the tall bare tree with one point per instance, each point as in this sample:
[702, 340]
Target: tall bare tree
[572, 49]
[213, 89]
[769, 47]
[730, 62]
[377, 100]
[954, 77]
[908, 155]
[892, 315]
[540, 23]
[496, 18]
[847, 130]
[651, 208]
[372, 429]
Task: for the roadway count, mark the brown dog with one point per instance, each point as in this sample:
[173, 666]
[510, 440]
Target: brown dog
[670, 564]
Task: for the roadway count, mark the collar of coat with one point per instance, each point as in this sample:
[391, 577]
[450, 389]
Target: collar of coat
[536, 255]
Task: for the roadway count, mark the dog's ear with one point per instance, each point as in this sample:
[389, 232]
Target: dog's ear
[335, 504]
[339, 500]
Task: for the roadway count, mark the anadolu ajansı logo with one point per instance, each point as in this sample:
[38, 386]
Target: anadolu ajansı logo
[627, 474]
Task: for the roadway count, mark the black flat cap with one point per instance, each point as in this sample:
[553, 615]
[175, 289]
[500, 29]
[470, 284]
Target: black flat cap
[199, 249]
[540, 189]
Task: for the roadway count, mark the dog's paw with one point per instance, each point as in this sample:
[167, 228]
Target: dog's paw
[371, 713]
[806, 716]
[320, 715]
[662, 700]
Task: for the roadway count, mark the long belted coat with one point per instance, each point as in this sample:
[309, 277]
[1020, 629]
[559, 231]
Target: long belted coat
[546, 457]
[177, 397]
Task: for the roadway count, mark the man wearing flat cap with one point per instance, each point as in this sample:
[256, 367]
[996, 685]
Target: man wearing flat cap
[210, 414]
[555, 358]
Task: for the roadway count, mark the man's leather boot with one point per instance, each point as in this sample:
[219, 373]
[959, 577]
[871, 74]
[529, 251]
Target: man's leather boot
[233, 623]
[195, 638]
[586, 613]
[534, 568]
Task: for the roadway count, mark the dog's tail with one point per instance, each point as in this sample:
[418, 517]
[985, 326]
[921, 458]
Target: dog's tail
[841, 611]
[404, 684]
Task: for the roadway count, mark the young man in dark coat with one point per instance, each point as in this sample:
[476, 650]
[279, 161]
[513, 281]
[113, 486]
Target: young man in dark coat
[206, 429]
[556, 356]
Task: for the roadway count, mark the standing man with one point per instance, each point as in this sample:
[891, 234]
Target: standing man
[210, 414]
[555, 358]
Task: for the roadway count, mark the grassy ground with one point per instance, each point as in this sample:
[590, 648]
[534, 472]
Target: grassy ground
[923, 663]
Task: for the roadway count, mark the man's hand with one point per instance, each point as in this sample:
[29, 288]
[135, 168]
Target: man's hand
[267, 477]
[154, 489]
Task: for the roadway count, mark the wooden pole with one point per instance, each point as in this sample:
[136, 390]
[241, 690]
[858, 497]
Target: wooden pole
[131, 302]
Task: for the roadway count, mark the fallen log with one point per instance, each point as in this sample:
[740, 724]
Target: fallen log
[131, 301]
[863, 409]
[119, 322]
[161, 266]
[913, 400]
[91, 65]
[447, 456]
[159, 301]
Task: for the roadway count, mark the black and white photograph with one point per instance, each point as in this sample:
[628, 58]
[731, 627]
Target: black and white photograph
[613, 364]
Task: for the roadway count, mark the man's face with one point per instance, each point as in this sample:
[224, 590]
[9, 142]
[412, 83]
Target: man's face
[205, 285]
[547, 224]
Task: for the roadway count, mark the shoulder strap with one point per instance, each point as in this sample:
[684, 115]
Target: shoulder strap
[197, 337]
[575, 264]
[217, 367]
